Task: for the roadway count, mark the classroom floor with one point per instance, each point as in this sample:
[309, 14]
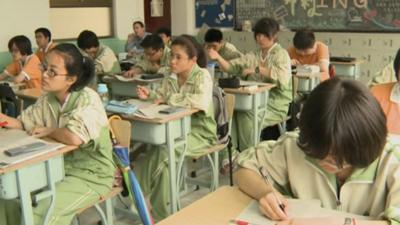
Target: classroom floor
[91, 217]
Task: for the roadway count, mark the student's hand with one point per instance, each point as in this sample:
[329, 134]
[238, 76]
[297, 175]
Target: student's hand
[142, 92]
[248, 71]
[264, 71]
[295, 62]
[130, 73]
[269, 206]
[40, 132]
[212, 54]
[158, 101]
[313, 221]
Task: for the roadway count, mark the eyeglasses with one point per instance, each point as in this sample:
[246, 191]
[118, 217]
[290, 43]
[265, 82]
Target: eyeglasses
[50, 72]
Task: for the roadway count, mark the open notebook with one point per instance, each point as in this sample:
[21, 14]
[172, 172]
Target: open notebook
[17, 145]
[298, 209]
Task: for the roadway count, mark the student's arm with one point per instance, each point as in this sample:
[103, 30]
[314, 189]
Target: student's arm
[12, 123]
[279, 70]
[63, 135]
[31, 70]
[323, 61]
[214, 55]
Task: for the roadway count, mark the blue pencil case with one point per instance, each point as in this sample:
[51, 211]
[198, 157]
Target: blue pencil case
[121, 107]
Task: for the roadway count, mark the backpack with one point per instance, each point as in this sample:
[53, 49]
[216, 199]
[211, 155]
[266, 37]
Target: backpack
[220, 115]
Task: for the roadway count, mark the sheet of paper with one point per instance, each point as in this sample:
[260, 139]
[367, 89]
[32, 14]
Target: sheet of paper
[252, 83]
[298, 209]
[124, 79]
[15, 138]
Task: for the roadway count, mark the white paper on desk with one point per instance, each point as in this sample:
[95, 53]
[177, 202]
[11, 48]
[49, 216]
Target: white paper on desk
[252, 83]
[298, 209]
[14, 138]
[125, 79]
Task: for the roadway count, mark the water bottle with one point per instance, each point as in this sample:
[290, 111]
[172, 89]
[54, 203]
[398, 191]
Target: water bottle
[211, 68]
[103, 92]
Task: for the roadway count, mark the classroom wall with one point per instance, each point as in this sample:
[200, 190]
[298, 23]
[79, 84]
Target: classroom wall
[24, 16]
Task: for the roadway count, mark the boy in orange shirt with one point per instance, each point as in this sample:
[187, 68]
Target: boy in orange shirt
[308, 51]
[43, 41]
[25, 66]
[388, 96]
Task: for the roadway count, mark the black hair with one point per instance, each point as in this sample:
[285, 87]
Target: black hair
[213, 35]
[23, 44]
[304, 39]
[396, 65]
[88, 39]
[152, 41]
[46, 32]
[164, 30]
[267, 26]
[342, 118]
[138, 22]
[76, 65]
[192, 48]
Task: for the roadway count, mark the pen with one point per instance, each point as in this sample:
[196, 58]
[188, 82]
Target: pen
[241, 222]
[268, 181]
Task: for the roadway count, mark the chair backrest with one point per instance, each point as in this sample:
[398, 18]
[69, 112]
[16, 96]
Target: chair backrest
[230, 105]
[8, 101]
[121, 130]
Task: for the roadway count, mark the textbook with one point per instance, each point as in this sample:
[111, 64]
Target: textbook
[17, 145]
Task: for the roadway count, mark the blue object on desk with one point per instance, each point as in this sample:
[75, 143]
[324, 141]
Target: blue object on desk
[121, 107]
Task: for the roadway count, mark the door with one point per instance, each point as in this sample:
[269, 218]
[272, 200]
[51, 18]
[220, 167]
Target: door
[157, 13]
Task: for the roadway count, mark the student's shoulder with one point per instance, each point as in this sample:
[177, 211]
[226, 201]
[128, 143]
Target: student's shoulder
[321, 46]
[382, 89]
[287, 141]
[392, 149]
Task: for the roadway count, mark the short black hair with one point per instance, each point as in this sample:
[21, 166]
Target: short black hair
[88, 39]
[213, 35]
[192, 48]
[396, 65]
[152, 41]
[138, 22]
[304, 39]
[46, 32]
[164, 30]
[342, 118]
[76, 65]
[23, 44]
[267, 26]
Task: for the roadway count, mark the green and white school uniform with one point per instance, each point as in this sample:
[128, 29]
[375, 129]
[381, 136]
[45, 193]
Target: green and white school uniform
[89, 170]
[371, 191]
[153, 172]
[277, 62]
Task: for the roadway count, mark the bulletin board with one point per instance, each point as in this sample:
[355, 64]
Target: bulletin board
[214, 13]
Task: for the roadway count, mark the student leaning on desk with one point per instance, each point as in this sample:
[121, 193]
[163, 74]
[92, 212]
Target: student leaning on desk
[340, 156]
[271, 63]
[25, 67]
[189, 86]
[156, 57]
[74, 115]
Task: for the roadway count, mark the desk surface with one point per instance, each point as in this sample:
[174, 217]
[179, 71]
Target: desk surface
[36, 159]
[250, 91]
[217, 208]
[32, 93]
[355, 62]
[165, 119]
[135, 81]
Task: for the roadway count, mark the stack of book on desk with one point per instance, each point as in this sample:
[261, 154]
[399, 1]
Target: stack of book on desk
[307, 69]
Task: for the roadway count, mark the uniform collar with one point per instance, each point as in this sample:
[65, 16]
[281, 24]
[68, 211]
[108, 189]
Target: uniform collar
[395, 94]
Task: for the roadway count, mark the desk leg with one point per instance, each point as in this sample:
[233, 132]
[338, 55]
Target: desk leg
[255, 99]
[52, 189]
[26, 202]
[171, 167]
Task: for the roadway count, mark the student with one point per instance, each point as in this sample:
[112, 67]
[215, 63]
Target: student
[43, 41]
[388, 73]
[72, 114]
[25, 67]
[306, 50]
[388, 96]
[215, 43]
[189, 86]
[340, 156]
[165, 35]
[105, 61]
[132, 45]
[271, 63]
[156, 58]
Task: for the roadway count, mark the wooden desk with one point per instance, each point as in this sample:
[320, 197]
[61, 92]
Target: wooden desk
[348, 69]
[170, 130]
[28, 97]
[249, 99]
[21, 179]
[217, 208]
[122, 89]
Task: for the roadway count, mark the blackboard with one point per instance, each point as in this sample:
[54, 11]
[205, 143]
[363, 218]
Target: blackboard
[214, 13]
[323, 15]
